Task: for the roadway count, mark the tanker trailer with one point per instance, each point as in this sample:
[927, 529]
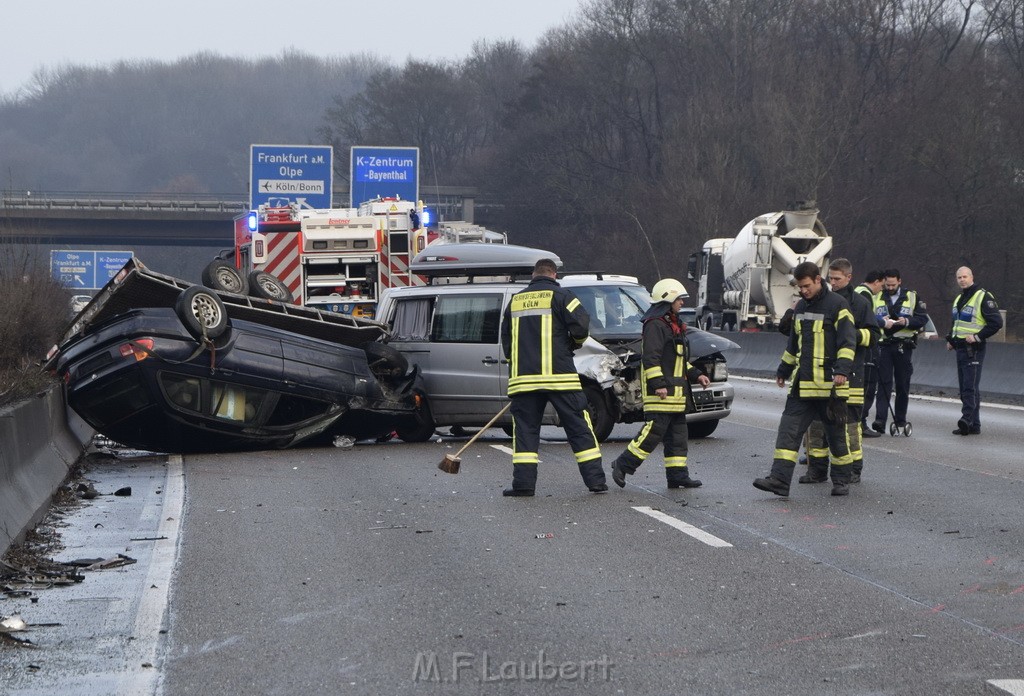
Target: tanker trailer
[747, 283]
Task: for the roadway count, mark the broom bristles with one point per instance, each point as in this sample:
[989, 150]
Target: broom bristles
[450, 464]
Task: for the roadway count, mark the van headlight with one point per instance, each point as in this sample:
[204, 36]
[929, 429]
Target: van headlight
[717, 371]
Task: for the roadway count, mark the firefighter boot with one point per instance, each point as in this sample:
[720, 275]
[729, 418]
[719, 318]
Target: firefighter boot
[817, 470]
[772, 485]
[621, 468]
[524, 481]
[841, 480]
[679, 477]
[855, 470]
[593, 476]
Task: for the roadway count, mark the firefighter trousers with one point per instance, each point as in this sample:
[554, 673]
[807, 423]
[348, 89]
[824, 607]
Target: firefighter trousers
[667, 428]
[528, 411]
[796, 418]
[817, 445]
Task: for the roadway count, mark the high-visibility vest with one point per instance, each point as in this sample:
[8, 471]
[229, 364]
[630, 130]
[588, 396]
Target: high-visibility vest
[968, 319]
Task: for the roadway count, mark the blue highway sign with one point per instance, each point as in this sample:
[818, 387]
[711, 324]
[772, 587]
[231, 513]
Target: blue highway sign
[86, 270]
[283, 174]
[388, 172]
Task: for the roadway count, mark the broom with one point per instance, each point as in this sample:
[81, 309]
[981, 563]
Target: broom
[450, 463]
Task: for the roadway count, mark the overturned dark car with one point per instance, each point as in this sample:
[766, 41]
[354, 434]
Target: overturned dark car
[156, 363]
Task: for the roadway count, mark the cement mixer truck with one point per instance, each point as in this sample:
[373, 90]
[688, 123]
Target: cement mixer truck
[746, 282]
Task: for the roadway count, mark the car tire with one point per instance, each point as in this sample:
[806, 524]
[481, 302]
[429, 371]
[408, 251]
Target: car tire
[422, 430]
[224, 277]
[700, 429]
[600, 414]
[507, 429]
[385, 362]
[269, 287]
[201, 312]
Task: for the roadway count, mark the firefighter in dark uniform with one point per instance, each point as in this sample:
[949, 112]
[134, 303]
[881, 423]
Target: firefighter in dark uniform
[840, 272]
[665, 381]
[904, 318]
[976, 318]
[543, 325]
[871, 288]
[819, 359]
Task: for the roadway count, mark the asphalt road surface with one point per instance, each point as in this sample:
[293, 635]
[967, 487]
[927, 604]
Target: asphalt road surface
[369, 571]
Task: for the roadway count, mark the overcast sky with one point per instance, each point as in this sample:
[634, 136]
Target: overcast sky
[50, 33]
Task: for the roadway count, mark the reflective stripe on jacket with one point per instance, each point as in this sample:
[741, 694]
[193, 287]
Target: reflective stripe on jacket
[665, 361]
[968, 319]
[822, 345]
[542, 327]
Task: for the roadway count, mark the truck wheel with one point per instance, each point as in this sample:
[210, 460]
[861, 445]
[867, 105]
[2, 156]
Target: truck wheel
[701, 428]
[269, 287]
[600, 414]
[420, 430]
[385, 361]
[223, 276]
[201, 312]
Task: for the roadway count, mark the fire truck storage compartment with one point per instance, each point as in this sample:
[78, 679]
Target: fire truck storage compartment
[330, 279]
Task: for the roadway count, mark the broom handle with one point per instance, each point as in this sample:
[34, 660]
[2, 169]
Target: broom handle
[491, 422]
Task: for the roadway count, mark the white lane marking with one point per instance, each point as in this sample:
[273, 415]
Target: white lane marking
[919, 397]
[149, 620]
[503, 448]
[1010, 686]
[698, 534]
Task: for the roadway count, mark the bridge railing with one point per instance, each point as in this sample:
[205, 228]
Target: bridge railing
[85, 200]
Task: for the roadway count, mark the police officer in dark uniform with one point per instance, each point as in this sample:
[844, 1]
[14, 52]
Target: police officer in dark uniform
[665, 382]
[840, 272]
[871, 289]
[819, 359]
[975, 319]
[542, 326]
[904, 318]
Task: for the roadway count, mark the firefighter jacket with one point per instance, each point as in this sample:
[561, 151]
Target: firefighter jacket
[867, 331]
[665, 361]
[903, 304]
[542, 327]
[822, 345]
[974, 313]
[878, 313]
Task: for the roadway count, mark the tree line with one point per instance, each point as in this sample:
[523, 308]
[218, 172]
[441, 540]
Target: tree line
[627, 136]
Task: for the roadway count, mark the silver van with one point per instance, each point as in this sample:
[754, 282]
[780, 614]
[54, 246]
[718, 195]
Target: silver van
[451, 330]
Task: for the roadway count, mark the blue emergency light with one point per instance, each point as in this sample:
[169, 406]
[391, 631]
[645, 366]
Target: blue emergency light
[253, 222]
[427, 217]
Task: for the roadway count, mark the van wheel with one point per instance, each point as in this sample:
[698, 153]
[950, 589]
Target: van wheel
[223, 276]
[600, 414]
[421, 430]
[269, 287]
[701, 428]
[201, 312]
[507, 429]
[385, 361]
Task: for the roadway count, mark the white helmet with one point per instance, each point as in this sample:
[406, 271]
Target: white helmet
[668, 290]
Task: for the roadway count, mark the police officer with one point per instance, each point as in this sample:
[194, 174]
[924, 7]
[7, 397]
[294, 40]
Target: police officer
[840, 272]
[665, 381]
[904, 317]
[543, 325]
[819, 359]
[871, 288]
[975, 318]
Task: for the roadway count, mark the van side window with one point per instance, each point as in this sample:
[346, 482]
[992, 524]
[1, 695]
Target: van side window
[467, 319]
[412, 319]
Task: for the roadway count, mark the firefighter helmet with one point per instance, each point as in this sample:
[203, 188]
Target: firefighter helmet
[668, 290]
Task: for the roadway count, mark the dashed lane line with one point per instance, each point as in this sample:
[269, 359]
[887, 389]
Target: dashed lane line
[696, 533]
[1009, 686]
[503, 448]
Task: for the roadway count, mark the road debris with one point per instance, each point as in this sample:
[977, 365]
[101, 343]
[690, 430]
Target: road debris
[345, 442]
[124, 492]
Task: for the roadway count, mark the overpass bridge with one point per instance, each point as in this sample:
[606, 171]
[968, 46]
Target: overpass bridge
[175, 234]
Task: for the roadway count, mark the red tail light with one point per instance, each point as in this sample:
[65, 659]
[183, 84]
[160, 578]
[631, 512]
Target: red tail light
[140, 348]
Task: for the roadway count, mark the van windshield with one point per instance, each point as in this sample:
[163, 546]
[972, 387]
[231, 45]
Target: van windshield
[614, 310]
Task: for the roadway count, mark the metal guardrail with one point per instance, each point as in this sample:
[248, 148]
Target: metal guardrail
[79, 200]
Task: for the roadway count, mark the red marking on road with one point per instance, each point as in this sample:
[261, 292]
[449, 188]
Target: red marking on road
[1013, 628]
[937, 608]
[972, 588]
[991, 561]
[828, 526]
[802, 639]
[842, 547]
[1018, 590]
[808, 518]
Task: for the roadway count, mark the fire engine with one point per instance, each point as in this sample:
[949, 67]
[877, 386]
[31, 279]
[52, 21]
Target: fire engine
[336, 259]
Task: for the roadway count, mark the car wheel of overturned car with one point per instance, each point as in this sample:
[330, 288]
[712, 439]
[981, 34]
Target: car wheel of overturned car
[701, 428]
[223, 276]
[422, 430]
[201, 312]
[269, 287]
[600, 415]
[385, 362]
